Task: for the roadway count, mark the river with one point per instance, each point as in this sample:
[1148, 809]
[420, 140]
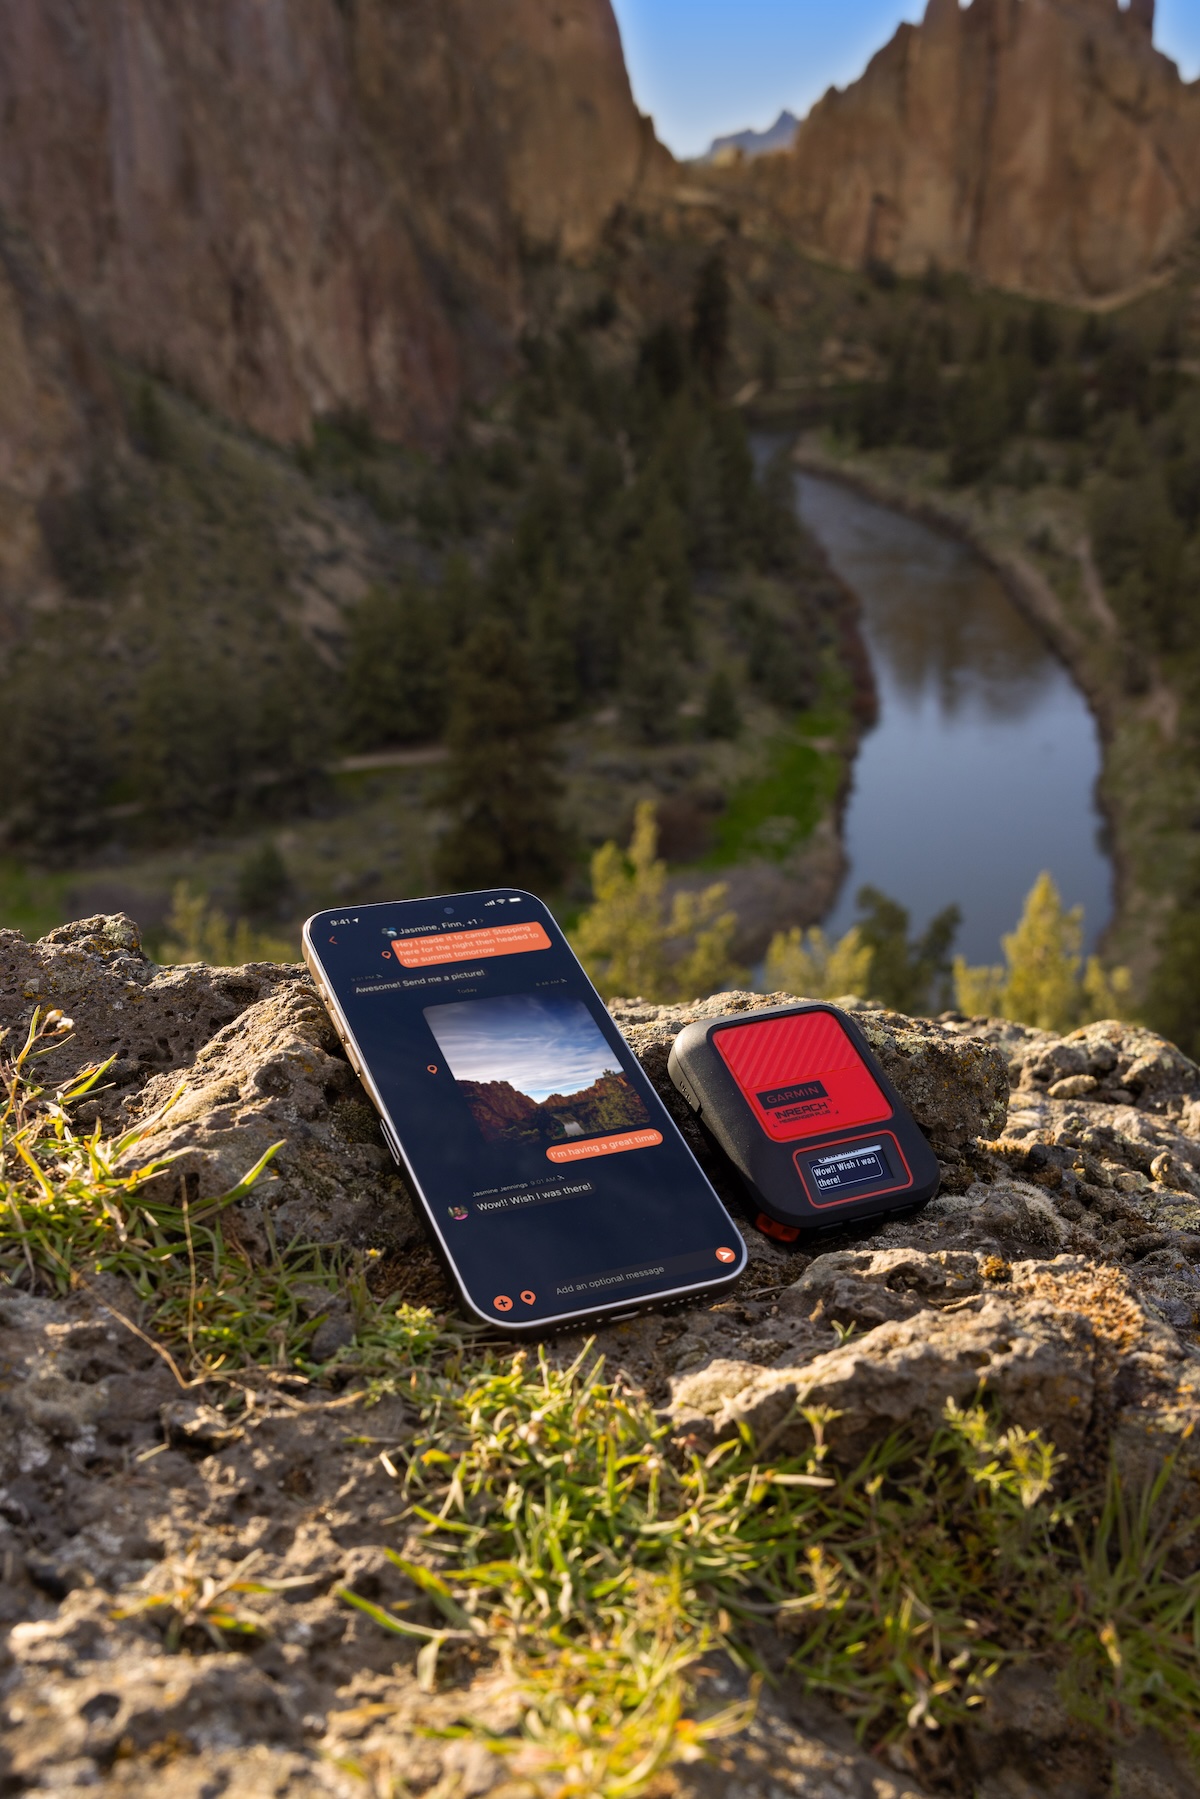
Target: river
[982, 769]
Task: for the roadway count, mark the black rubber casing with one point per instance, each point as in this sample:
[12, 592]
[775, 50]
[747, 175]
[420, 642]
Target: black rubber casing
[843, 1167]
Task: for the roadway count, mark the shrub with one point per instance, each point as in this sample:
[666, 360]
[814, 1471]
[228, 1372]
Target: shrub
[910, 975]
[1046, 982]
[200, 932]
[807, 964]
[634, 941]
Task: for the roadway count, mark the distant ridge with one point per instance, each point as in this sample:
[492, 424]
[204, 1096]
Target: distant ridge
[778, 136]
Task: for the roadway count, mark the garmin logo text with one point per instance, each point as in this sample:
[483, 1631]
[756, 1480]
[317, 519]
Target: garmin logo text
[790, 1096]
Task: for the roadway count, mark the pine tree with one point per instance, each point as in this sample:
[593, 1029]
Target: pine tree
[739, 496]
[909, 976]
[979, 992]
[652, 684]
[1045, 981]
[57, 749]
[634, 941]
[924, 405]
[662, 361]
[979, 420]
[807, 965]
[263, 882]
[150, 426]
[722, 715]
[1044, 336]
[1140, 549]
[780, 539]
[1044, 956]
[394, 676]
[711, 312]
[1173, 1002]
[664, 544]
[191, 732]
[1066, 402]
[502, 787]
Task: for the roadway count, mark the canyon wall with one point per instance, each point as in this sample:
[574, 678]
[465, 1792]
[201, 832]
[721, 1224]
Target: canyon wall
[58, 410]
[295, 207]
[1040, 145]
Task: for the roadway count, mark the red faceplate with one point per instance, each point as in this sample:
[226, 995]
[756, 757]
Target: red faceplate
[801, 1076]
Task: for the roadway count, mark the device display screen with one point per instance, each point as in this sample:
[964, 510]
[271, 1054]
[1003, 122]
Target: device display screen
[554, 1176]
[837, 1176]
[801, 1075]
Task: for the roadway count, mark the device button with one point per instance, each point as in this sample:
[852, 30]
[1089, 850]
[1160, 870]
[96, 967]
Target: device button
[770, 1227]
[391, 1141]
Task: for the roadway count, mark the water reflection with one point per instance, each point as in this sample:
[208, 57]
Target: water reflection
[982, 769]
[943, 626]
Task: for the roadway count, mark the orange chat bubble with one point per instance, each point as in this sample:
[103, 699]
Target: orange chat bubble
[604, 1146]
[470, 946]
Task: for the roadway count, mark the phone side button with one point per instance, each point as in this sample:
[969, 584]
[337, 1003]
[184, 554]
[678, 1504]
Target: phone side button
[390, 1141]
[688, 1093]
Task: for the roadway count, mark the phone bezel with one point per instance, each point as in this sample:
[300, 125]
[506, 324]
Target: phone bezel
[394, 1139]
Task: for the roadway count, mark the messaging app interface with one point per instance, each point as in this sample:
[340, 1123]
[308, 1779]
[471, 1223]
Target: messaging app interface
[554, 1175]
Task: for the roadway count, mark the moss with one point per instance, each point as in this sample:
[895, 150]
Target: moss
[774, 814]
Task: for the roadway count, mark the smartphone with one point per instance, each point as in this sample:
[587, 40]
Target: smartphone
[552, 1178]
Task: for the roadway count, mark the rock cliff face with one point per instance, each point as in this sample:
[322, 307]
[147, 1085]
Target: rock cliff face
[1043, 145]
[55, 398]
[291, 207]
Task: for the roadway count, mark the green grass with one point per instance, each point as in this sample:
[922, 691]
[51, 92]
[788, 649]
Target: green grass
[558, 1539]
[601, 1564]
[773, 815]
[29, 902]
[76, 1206]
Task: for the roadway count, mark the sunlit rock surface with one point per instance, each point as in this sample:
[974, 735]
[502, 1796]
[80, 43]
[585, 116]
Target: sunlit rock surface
[1058, 1272]
[1043, 145]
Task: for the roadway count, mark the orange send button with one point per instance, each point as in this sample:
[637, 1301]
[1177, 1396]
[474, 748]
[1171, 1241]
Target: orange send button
[470, 946]
[604, 1146]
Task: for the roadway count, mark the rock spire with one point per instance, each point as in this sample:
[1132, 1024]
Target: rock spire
[1041, 145]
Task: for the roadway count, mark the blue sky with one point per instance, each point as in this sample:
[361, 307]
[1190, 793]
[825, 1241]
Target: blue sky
[705, 67]
[540, 1046]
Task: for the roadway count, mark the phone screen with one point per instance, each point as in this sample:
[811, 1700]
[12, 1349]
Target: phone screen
[554, 1177]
